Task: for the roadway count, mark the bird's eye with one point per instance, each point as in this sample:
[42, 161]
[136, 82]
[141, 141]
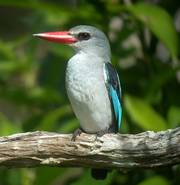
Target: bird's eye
[83, 36]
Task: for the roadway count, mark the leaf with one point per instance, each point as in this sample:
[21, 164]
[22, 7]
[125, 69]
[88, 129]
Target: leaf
[46, 175]
[143, 114]
[174, 116]
[6, 126]
[159, 22]
[156, 180]
[51, 118]
[6, 50]
[41, 94]
[69, 125]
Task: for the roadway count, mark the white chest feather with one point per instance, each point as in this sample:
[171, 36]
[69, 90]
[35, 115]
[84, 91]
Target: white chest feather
[87, 93]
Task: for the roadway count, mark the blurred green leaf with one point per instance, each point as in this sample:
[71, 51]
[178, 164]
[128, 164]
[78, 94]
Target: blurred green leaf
[46, 175]
[53, 14]
[51, 118]
[33, 4]
[31, 96]
[44, 95]
[6, 50]
[143, 114]
[27, 176]
[69, 125]
[6, 126]
[14, 177]
[158, 80]
[159, 22]
[7, 67]
[174, 116]
[156, 180]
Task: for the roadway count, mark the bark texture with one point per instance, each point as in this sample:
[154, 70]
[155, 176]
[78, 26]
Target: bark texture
[117, 151]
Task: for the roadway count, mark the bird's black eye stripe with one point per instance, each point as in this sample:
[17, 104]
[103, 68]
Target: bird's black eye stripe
[83, 36]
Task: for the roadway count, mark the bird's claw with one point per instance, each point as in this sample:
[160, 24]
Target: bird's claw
[76, 133]
[101, 133]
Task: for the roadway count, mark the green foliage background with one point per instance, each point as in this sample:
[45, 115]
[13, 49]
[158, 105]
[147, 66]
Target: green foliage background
[145, 51]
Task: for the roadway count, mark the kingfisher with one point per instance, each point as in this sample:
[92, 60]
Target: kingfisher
[92, 83]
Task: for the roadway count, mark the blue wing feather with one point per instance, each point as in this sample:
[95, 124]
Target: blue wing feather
[114, 90]
[116, 105]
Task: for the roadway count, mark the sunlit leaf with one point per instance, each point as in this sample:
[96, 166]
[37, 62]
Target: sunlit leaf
[143, 114]
[159, 22]
[27, 176]
[6, 51]
[174, 116]
[156, 180]
[10, 66]
[6, 126]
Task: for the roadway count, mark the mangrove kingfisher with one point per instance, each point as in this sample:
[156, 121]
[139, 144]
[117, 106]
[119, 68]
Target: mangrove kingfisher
[92, 82]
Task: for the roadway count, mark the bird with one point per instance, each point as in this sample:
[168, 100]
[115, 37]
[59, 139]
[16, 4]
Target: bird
[92, 83]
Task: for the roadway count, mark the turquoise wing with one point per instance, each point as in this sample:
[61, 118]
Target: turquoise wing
[114, 90]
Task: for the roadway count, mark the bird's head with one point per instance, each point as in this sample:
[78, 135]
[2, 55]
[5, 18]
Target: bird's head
[82, 38]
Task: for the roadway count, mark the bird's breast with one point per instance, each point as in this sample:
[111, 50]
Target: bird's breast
[82, 79]
[88, 94]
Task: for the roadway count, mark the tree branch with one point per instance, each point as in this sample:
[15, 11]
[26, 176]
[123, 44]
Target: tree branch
[120, 151]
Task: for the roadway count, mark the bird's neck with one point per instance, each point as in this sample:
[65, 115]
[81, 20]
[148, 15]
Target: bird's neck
[94, 54]
[88, 59]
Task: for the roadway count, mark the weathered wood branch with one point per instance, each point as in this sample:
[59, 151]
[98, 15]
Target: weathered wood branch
[120, 151]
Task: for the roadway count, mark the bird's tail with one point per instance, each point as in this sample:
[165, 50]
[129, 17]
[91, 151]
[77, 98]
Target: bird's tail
[99, 174]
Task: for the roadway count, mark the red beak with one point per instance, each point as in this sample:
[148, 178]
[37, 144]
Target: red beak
[63, 37]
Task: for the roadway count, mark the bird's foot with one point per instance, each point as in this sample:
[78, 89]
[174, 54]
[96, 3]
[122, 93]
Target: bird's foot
[76, 133]
[102, 132]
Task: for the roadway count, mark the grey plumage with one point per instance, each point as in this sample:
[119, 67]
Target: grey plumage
[85, 81]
